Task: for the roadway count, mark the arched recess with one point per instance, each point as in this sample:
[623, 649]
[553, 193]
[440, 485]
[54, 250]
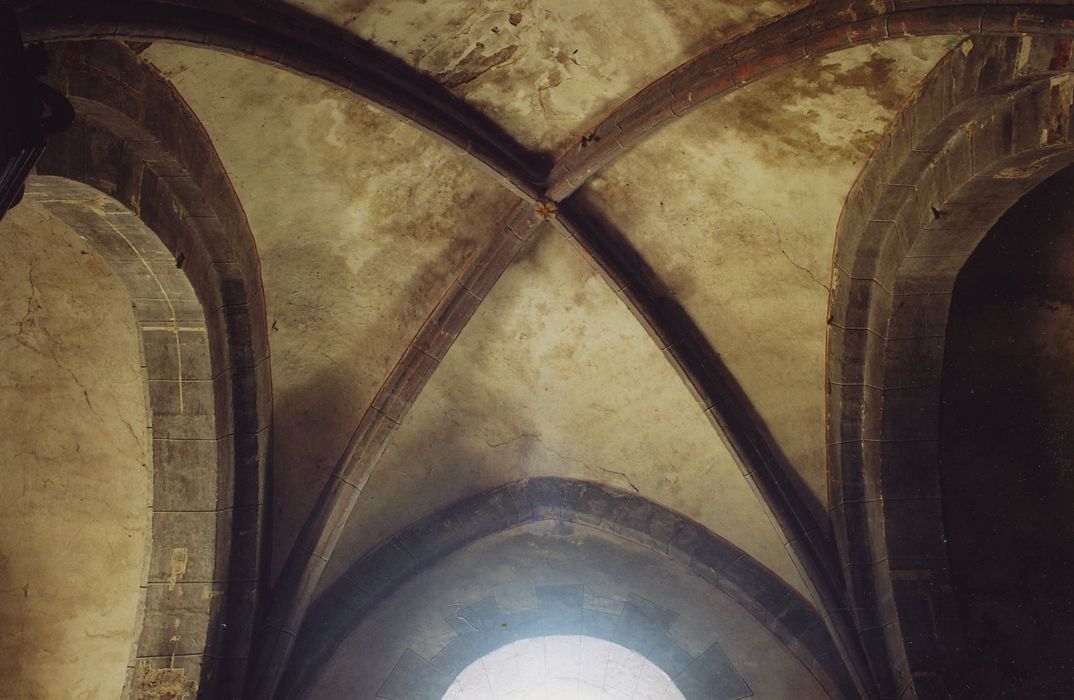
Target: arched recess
[197, 294]
[369, 581]
[990, 123]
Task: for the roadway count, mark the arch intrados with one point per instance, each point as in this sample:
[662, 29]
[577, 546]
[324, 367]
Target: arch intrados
[337, 611]
[185, 468]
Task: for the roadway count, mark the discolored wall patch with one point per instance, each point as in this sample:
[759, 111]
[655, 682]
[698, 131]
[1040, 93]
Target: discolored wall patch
[735, 207]
[545, 69]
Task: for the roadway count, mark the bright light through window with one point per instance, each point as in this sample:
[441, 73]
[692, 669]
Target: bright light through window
[563, 668]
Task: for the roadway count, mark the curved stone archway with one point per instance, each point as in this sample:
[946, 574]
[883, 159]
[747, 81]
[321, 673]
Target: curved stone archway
[786, 614]
[161, 210]
[639, 627]
[190, 493]
[991, 122]
[554, 577]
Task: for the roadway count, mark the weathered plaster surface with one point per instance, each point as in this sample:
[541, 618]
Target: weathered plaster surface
[75, 474]
[545, 69]
[554, 377]
[360, 221]
[510, 566]
[735, 207]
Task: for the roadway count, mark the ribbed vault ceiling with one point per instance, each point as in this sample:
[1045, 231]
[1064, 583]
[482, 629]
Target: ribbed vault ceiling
[362, 221]
[545, 69]
[703, 230]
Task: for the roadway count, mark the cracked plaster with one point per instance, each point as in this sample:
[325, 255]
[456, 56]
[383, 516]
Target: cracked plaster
[360, 222]
[75, 471]
[545, 69]
[735, 208]
[554, 377]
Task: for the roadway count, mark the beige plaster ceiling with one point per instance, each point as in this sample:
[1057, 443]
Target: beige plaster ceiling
[545, 69]
[554, 377]
[735, 208]
[360, 221]
[75, 478]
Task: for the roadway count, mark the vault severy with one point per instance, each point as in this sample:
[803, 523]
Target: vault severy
[545, 69]
[735, 207]
[360, 221]
[554, 377]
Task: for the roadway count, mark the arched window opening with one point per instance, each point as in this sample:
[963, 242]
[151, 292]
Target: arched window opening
[565, 667]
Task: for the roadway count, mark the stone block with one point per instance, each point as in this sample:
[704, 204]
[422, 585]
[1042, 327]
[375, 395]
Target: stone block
[490, 262]
[434, 536]
[182, 410]
[384, 568]
[482, 617]
[404, 383]
[184, 547]
[493, 511]
[757, 588]
[712, 677]
[560, 608]
[648, 524]
[911, 413]
[595, 504]
[854, 413]
[446, 321]
[855, 356]
[991, 136]
[919, 316]
[642, 624]
[238, 544]
[547, 498]
[177, 618]
[928, 275]
[598, 624]
[412, 677]
[187, 475]
[669, 656]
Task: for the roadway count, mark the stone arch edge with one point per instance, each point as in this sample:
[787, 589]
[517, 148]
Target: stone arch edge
[991, 122]
[172, 180]
[782, 610]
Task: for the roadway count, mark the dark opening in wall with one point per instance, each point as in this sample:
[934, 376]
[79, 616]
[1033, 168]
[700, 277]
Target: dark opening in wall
[1007, 441]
